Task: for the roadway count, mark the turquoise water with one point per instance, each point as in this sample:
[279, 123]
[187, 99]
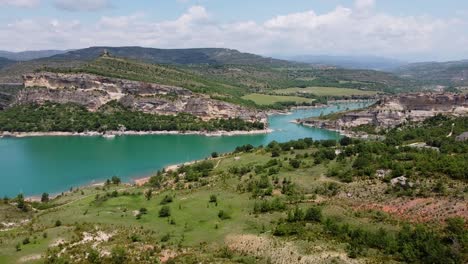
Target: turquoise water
[54, 164]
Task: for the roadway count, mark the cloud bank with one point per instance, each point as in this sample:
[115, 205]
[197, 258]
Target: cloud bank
[358, 29]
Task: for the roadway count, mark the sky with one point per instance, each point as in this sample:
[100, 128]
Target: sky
[411, 30]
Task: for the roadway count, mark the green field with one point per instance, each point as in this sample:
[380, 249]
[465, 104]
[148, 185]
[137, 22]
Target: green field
[265, 99]
[326, 91]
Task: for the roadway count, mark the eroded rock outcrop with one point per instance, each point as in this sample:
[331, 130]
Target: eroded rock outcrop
[391, 111]
[94, 91]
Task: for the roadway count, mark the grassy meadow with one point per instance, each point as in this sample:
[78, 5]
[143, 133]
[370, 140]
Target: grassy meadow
[326, 91]
[265, 99]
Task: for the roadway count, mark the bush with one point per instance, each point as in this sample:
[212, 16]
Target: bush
[45, 198]
[26, 241]
[313, 214]
[295, 163]
[118, 255]
[213, 198]
[165, 211]
[223, 215]
[166, 200]
[58, 223]
[116, 180]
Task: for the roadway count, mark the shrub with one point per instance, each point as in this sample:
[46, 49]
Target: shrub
[45, 198]
[58, 223]
[116, 180]
[223, 215]
[295, 163]
[26, 241]
[166, 200]
[313, 214]
[118, 255]
[213, 198]
[165, 211]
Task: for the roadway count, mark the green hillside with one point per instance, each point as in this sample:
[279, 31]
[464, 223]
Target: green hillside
[453, 73]
[278, 203]
[4, 62]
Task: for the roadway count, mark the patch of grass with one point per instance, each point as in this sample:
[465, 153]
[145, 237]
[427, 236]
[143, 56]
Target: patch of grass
[264, 99]
[326, 91]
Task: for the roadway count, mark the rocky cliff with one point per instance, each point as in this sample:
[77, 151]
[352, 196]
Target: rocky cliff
[391, 111]
[94, 91]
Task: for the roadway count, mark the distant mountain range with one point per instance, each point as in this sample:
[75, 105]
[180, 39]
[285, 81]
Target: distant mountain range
[29, 55]
[351, 62]
[14, 64]
[173, 56]
[444, 73]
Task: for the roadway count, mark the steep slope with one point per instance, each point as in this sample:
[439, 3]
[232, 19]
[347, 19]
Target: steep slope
[94, 92]
[443, 73]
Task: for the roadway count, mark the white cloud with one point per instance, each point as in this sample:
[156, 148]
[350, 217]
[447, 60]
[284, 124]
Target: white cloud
[359, 29]
[82, 5]
[20, 3]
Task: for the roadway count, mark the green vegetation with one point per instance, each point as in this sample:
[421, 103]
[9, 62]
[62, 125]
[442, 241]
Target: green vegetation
[112, 116]
[326, 91]
[265, 99]
[301, 199]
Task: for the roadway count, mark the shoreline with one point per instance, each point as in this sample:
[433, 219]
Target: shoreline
[136, 181]
[112, 134]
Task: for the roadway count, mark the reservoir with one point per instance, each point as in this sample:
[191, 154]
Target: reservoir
[54, 164]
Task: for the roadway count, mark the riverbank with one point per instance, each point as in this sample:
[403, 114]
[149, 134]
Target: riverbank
[111, 134]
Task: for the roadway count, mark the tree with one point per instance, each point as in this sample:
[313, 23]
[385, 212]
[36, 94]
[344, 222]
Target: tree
[116, 180]
[313, 214]
[58, 223]
[45, 198]
[165, 211]
[214, 154]
[148, 194]
[21, 204]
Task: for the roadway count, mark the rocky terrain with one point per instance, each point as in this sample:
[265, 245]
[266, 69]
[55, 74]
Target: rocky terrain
[391, 111]
[94, 91]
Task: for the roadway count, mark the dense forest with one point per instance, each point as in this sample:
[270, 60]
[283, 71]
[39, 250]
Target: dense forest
[110, 117]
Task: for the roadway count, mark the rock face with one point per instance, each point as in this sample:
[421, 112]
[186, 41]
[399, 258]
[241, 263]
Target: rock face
[94, 91]
[394, 110]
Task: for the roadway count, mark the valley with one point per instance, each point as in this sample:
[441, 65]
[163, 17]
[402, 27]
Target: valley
[140, 155]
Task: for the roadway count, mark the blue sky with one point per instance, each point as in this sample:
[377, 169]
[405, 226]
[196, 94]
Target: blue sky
[410, 30]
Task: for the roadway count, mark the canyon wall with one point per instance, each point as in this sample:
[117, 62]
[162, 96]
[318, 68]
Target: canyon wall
[391, 111]
[94, 91]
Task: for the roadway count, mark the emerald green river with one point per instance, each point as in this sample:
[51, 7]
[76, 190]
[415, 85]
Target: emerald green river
[54, 164]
